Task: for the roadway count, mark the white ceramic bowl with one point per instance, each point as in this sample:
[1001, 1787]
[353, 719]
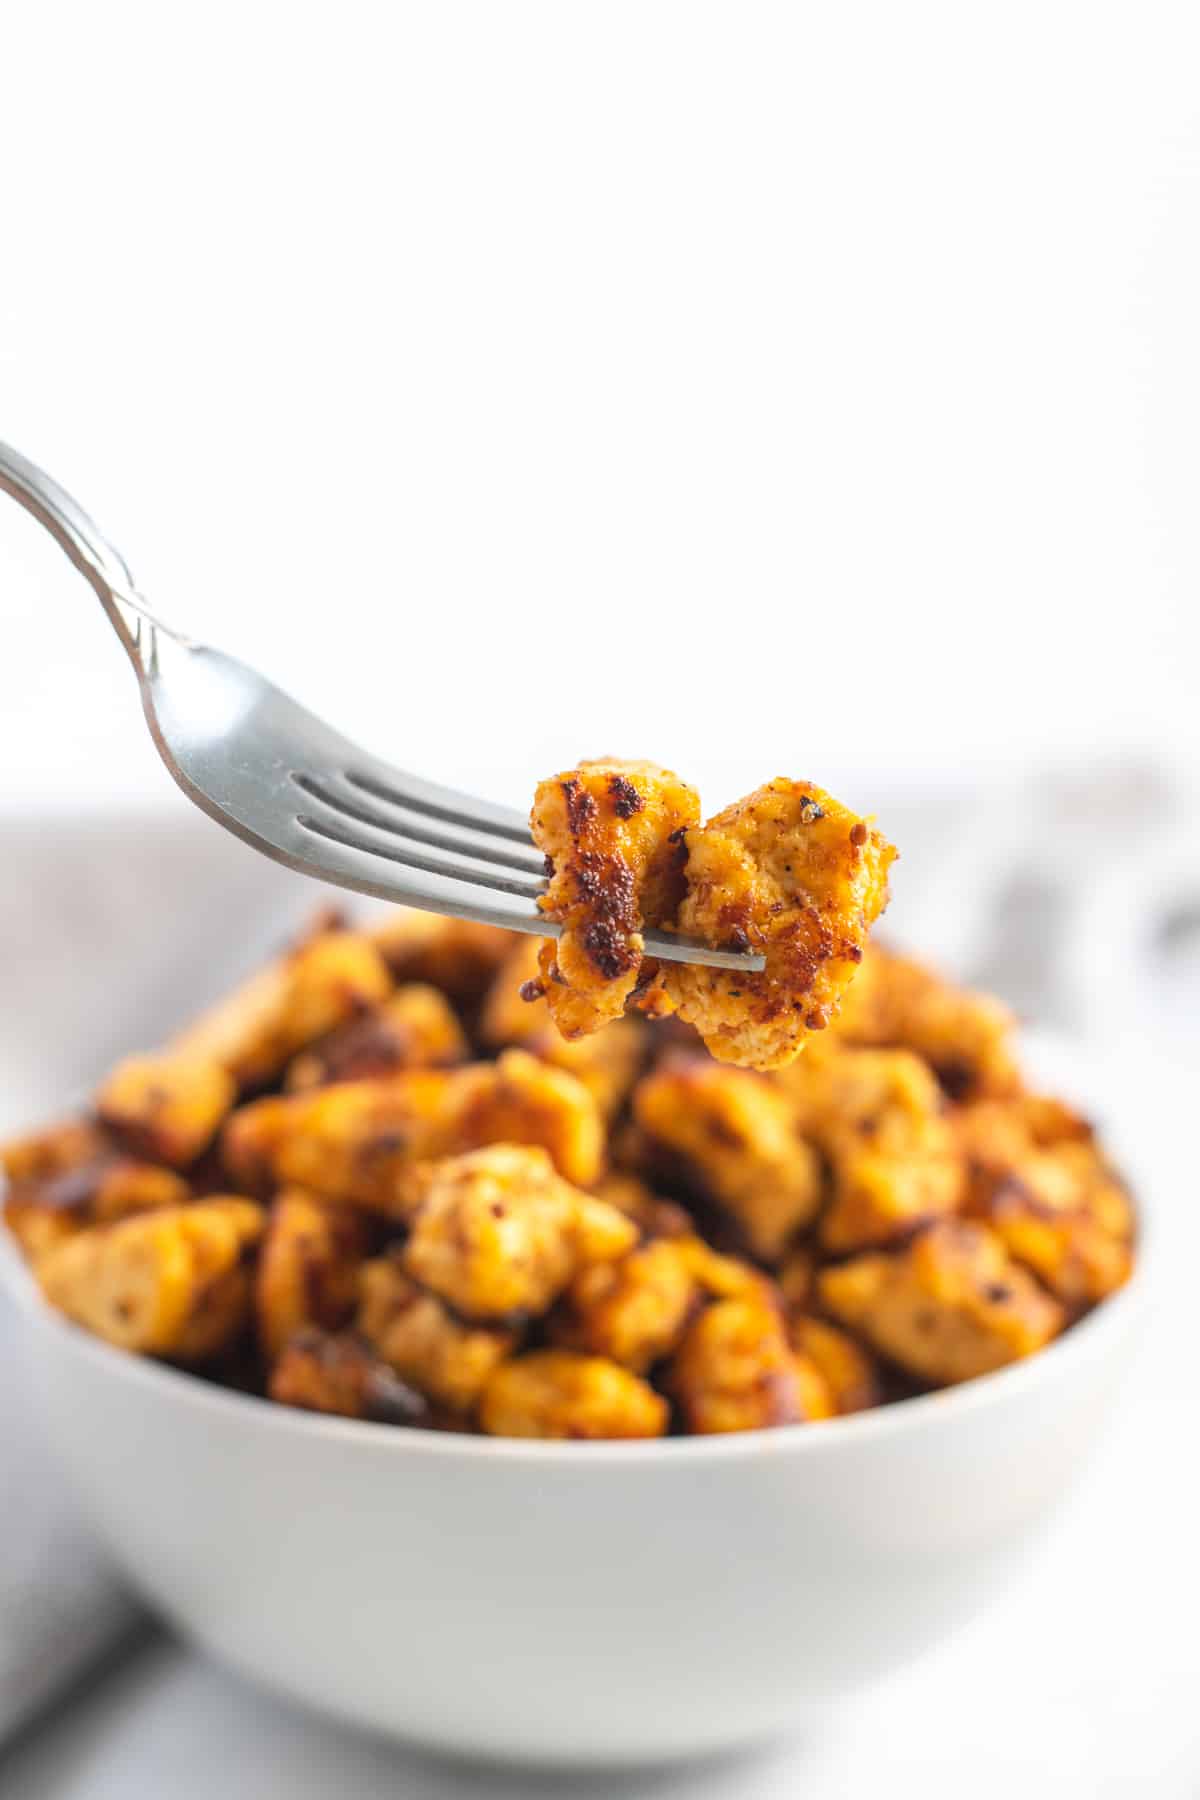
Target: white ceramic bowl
[572, 1603]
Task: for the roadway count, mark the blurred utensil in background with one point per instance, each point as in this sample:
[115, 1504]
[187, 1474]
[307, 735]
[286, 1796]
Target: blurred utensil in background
[1074, 894]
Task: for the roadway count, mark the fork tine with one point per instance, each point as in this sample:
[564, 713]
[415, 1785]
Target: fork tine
[352, 865]
[667, 946]
[394, 848]
[398, 788]
[353, 802]
[672, 946]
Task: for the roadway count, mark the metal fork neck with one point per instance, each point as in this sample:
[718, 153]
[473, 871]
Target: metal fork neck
[82, 540]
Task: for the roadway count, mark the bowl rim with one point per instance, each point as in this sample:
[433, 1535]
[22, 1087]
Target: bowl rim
[850, 1431]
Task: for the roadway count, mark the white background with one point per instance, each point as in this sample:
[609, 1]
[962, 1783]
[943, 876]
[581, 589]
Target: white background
[799, 388]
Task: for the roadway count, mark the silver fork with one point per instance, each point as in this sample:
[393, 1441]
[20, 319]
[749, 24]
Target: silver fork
[282, 780]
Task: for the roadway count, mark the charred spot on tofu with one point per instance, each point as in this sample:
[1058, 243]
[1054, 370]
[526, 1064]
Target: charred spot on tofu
[308, 1267]
[793, 874]
[415, 1028]
[41, 1214]
[167, 1107]
[561, 1394]
[952, 1305]
[610, 831]
[319, 1371]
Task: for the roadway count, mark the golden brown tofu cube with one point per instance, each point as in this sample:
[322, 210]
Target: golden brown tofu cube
[498, 1234]
[45, 1213]
[967, 1038]
[37, 1227]
[168, 1283]
[124, 1186]
[952, 1305]
[361, 1141]
[221, 1232]
[1049, 1120]
[314, 988]
[417, 1335]
[355, 1141]
[497, 1245]
[55, 1149]
[167, 1107]
[737, 1136]
[607, 1063]
[612, 834]
[559, 1394]
[850, 1372]
[414, 1028]
[879, 1118]
[1002, 1138]
[994, 1136]
[1038, 1178]
[736, 1371]
[458, 956]
[323, 1372]
[1039, 1216]
[632, 1310]
[792, 873]
[729, 1277]
[507, 1017]
[1102, 1194]
[308, 1267]
[519, 1100]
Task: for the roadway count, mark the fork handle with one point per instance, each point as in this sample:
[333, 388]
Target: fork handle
[85, 544]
